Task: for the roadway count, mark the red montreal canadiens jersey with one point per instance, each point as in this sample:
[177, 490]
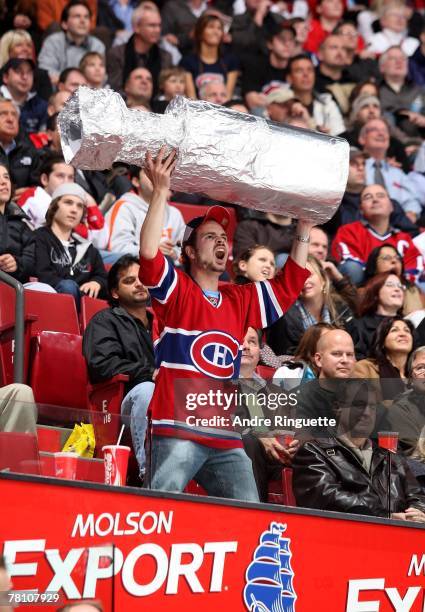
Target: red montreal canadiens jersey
[356, 241]
[200, 341]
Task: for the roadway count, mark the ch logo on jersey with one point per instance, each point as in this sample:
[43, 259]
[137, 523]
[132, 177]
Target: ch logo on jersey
[269, 577]
[214, 353]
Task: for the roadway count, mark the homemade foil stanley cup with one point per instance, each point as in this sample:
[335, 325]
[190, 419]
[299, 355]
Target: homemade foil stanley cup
[223, 154]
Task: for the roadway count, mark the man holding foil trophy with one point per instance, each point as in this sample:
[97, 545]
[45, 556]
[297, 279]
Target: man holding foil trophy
[204, 148]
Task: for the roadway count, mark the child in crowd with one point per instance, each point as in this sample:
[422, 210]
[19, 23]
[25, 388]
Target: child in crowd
[171, 83]
[93, 68]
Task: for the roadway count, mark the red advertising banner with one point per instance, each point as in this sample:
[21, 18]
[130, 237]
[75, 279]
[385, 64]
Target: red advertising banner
[136, 551]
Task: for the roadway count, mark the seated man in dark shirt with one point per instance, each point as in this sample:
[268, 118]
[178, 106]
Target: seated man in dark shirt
[118, 341]
[264, 72]
[407, 414]
[347, 472]
[267, 454]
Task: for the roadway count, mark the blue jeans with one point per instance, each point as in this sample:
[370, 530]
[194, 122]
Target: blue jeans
[135, 405]
[223, 473]
[70, 286]
[109, 257]
[353, 269]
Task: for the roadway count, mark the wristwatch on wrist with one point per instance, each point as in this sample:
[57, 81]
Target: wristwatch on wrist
[305, 239]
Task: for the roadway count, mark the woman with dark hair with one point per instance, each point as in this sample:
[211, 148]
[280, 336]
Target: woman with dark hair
[365, 88]
[386, 258]
[255, 264]
[63, 259]
[383, 297]
[15, 233]
[388, 357]
[209, 57]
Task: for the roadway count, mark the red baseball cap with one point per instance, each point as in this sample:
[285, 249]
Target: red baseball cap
[219, 214]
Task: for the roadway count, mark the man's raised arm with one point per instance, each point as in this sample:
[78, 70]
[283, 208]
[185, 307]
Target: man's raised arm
[159, 172]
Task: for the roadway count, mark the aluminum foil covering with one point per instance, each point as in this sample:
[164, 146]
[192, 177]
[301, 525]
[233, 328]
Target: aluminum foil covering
[226, 155]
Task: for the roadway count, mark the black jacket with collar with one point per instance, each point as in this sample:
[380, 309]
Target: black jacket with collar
[52, 263]
[15, 239]
[327, 475]
[362, 331]
[23, 162]
[407, 416]
[115, 342]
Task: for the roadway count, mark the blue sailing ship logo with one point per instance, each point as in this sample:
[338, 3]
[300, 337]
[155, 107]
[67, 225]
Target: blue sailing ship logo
[269, 576]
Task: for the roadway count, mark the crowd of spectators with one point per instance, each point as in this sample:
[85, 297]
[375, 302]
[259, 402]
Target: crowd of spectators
[342, 68]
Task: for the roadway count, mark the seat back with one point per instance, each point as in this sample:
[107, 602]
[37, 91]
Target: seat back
[280, 491]
[19, 452]
[54, 311]
[194, 488]
[58, 371]
[89, 307]
[105, 404]
[7, 336]
[7, 304]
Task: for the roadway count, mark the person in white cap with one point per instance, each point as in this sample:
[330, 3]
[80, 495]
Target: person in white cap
[201, 329]
[63, 259]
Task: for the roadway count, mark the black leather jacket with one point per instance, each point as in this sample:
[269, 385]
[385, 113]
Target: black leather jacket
[115, 342]
[329, 476]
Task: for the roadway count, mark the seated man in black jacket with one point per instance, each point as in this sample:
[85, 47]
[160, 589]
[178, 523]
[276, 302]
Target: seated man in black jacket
[347, 472]
[16, 150]
[118, 341]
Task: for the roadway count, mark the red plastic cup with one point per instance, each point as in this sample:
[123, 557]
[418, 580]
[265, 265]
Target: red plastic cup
[388, 440]
[116, 464]
[284, 437]
[66, 465]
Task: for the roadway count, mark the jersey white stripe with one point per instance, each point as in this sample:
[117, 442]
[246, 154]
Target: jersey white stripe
[178, 366]
[164, 274]
[176, 330]
[264, 322]
[273, 298]
[169, 292]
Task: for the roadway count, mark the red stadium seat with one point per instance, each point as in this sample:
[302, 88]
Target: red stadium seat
[190, 211]
[59, 376]
[43, 311]
[60, 386]
[194, 488]
[105, 406]
[280, 491]
[7, 335]
[54, 312]
[19, 452]
[89, 307]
